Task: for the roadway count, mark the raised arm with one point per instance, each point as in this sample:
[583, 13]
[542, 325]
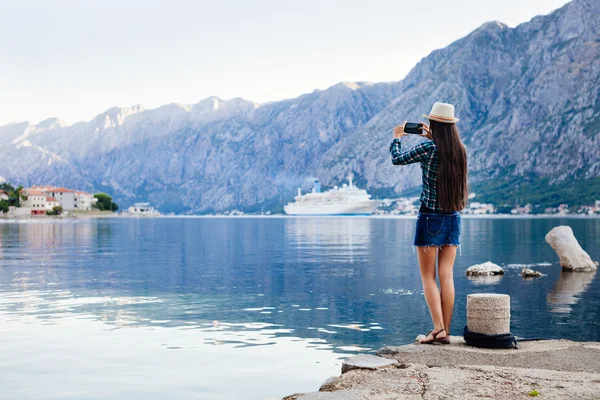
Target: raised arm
[416, 154]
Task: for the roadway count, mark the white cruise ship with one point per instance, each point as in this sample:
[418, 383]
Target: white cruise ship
[142, 209]
[347, 200]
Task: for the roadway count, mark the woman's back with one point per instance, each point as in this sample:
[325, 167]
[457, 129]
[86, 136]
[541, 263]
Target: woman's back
[427, 155]
[443, 161]
[444, 165]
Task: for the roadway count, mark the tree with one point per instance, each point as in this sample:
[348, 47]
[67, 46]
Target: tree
[56, 210]
[15, 196]
[504, 209]
[7, 187]
[105, 202]
[3, 206]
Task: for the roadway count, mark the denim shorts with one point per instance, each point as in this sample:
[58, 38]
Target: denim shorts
[438, 230]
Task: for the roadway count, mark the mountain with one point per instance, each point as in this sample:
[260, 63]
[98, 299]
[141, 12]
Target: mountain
[527, 98]
[211, 156]
[528, 103]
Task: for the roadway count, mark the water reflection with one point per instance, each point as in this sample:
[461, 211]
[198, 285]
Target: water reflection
[342, 239]
[485, 280]
[262, 287]
[568, 290]
[125, 346]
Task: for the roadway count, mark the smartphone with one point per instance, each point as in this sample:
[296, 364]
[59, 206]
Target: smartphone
[413, 127]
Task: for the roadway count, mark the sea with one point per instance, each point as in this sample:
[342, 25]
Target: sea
[250, 308]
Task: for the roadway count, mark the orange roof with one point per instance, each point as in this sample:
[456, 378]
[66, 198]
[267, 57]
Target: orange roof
[48, 198]
[42, 187]
[61, 190]
[89, 194]
[34, 192]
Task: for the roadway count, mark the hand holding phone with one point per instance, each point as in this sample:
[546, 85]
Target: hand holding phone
[413, 128]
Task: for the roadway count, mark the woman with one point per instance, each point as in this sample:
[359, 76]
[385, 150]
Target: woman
[444, 164]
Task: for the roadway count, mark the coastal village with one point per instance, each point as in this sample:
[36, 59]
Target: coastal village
[50, 200]
[410, 206]
[53, 200]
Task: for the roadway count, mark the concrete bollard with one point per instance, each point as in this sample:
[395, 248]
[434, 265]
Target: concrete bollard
[488, 313]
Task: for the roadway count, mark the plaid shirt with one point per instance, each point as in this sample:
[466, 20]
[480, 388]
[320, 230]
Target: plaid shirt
[425, 153]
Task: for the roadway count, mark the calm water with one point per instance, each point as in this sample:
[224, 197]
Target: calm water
[250, 308]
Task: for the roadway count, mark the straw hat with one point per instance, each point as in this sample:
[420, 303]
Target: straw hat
[442, 112]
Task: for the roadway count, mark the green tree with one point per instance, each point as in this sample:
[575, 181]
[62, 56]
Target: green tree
[105, 202]
[15, 196]
[3, 206]
[7, 187]
[504, 209]
[56, 210]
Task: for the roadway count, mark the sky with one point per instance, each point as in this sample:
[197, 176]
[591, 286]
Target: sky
[75, 59]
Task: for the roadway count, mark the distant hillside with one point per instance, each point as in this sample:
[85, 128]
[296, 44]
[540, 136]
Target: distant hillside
[528, 101]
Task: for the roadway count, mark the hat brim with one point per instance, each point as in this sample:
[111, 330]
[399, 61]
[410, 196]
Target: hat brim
[441, 119]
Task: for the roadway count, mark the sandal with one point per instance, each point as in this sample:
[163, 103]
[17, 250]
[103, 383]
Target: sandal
[444, 340]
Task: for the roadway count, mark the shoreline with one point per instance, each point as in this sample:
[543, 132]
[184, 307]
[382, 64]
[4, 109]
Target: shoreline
[551, 369]
[283, 216]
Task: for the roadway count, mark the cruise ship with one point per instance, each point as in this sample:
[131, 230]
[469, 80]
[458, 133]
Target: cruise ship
[347, 200]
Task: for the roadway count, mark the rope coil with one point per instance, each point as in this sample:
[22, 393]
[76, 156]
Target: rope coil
[501, 341]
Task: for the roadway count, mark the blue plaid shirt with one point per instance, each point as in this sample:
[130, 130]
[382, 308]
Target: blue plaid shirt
[425, 153]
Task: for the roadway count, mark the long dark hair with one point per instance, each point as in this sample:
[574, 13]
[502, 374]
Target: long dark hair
[452, 188]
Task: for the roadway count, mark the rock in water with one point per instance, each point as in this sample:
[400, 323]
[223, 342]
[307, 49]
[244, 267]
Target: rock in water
[486, 269]
[529, 273]
[572, 256]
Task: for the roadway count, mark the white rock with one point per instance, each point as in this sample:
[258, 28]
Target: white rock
[486, 269]
[572, 256]
[529, 273]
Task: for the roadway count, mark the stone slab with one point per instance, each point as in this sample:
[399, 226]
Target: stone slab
[366, 361]
[461, 382]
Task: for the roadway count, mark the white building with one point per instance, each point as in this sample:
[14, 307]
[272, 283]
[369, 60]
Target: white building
[51, 202]
[66, 197]
[84, 201]
[3, 195]
[141, 209]
[479, 208]
[36, 201]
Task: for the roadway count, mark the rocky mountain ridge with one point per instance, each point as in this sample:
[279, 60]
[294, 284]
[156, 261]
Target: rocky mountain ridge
[528, 100]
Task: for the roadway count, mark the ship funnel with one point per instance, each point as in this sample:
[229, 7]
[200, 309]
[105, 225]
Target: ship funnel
[317, 187]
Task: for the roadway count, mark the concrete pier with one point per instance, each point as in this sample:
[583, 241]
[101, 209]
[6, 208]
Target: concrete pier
[552, 369]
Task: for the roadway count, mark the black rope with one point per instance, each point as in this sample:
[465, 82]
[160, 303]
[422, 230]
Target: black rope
[501, 341]
[520, 339]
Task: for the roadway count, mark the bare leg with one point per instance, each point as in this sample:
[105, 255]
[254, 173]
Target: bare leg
[447, 255]
[427, 257]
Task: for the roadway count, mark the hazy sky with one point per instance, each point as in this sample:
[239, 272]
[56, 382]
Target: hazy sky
[74, 59]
